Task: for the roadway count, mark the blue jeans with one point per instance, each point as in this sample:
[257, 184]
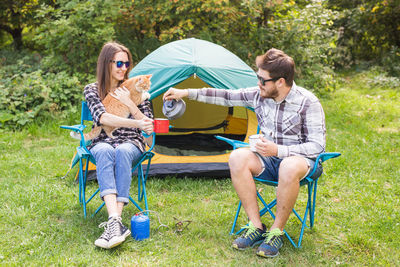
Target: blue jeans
[114, 168]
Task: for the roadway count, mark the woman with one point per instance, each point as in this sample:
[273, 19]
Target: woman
[114, 156]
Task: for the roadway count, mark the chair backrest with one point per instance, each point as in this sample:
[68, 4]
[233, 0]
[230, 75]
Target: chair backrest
[85, 113]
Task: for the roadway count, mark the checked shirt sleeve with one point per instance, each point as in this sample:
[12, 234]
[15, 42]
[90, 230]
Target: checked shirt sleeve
[94, 103]
[242, 97]
[145, 108]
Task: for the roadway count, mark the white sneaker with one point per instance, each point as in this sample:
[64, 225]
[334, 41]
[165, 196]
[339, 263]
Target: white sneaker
[114, 233]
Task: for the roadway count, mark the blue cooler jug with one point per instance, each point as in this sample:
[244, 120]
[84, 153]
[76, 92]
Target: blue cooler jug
[140, 226]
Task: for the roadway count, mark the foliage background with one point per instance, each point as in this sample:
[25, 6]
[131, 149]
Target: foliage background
[49, 49]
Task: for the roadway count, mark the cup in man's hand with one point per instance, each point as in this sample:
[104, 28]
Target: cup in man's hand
[253, 140]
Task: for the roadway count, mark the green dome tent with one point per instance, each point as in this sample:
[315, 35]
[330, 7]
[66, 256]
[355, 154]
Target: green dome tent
[191, 148]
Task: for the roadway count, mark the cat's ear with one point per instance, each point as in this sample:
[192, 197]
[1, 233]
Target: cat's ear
[149, 76]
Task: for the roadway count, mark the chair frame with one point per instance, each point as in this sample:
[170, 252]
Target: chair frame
[267, 208]
[83, 157]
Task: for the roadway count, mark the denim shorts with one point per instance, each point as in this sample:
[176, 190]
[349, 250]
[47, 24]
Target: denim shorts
[271, 168]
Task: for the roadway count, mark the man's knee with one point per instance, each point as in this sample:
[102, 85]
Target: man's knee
[238, 159]
[292, 169]
[244, 160]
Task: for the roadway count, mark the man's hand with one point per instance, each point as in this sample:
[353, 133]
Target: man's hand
[176, 94]
[266, 148]
[146, 125]
[123, 95]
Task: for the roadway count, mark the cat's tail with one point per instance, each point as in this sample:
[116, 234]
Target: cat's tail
[88, 136]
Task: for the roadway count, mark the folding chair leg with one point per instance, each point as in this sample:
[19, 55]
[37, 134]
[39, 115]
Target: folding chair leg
[309, 211]
[312, 212]
[303, 225]
[142, 184]
[82, 187]
[100, 207]
[134, 203]
[236, 217]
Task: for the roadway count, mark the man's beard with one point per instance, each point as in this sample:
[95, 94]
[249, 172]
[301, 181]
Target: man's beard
[273, 93]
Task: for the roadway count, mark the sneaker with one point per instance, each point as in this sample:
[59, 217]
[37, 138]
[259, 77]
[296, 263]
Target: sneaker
[114, 233]
[252, 236]
[272, 243]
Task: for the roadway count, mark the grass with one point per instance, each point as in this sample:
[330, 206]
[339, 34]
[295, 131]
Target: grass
[357, 217]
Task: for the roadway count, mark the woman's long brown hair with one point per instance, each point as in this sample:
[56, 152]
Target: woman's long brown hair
[104, 66]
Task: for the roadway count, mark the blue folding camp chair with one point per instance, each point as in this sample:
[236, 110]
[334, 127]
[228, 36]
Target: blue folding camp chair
[267, 208]
[83, 156]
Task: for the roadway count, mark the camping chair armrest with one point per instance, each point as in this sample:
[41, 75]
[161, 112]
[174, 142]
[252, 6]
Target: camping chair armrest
[234, 143]
[76, 128]
[323, 157]
[153, 135]
[79, 129]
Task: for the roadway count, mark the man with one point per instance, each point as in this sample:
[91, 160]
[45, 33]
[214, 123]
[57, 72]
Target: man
[292, 123]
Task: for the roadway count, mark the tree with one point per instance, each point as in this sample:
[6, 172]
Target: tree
[15, 15]
[73, 33]
[369, 28]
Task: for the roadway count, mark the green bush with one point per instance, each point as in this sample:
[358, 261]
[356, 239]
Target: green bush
[74, 34]
[369, 31]
[28, 93]
[391, 61]
[379, 78]
[303, 32]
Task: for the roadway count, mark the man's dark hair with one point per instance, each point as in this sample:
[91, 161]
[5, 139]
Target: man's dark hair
[278, 64]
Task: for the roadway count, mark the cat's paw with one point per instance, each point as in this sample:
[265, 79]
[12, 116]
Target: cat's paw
[75, 135]
[145, 96]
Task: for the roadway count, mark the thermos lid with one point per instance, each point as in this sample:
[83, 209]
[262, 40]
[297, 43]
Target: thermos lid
[173, 109]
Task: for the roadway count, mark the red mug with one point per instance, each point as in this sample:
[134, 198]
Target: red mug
[161, 125]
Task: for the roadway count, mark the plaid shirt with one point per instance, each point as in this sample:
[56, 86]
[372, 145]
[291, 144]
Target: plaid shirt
[122, 134]
[296, 124]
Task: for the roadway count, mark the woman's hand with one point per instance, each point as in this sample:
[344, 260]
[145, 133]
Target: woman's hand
[176, 94]
[123, 95]
[146, 125]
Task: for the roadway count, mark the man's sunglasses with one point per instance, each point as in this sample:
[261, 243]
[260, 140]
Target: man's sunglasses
[121, 63]
[263, 81]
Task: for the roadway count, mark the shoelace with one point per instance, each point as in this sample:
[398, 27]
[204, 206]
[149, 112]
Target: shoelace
[114, 226]
[105, 234]
[274, 232]
[251, 230]
[110, 227]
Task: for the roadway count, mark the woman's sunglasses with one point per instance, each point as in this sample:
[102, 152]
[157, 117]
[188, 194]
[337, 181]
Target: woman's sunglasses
[121, 63]
[263, 81]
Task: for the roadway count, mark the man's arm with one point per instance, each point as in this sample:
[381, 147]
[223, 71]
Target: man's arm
[222, 97]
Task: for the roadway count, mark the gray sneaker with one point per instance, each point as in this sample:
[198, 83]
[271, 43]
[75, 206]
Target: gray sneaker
[251, 237]
[272, 243]
[114, 233]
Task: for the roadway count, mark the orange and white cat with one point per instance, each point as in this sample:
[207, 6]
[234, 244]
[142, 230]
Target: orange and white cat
[138, 87]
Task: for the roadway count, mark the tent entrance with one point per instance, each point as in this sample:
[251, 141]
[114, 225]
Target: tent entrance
[195, 144]
[193, 133]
